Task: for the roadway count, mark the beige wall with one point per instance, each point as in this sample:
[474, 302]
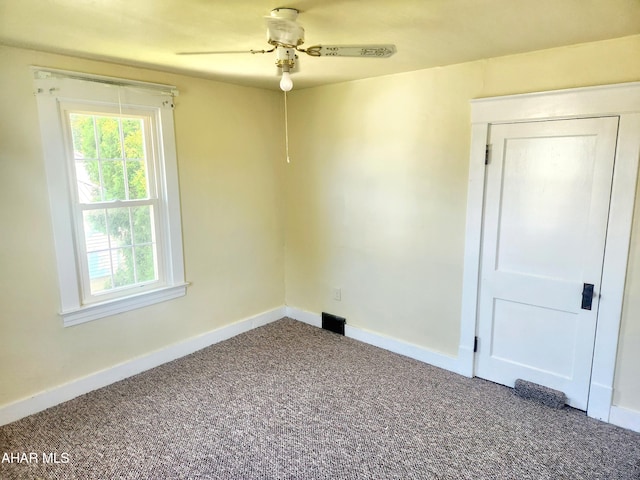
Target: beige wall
[231, 175]
[374, 203]
[376, 193]
[376, 199]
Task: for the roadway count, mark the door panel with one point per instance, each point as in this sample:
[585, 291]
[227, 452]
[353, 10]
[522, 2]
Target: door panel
[520, 329]
[546, 193]
[544, 231]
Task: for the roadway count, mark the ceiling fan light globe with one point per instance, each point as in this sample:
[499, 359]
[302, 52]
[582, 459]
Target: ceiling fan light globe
[286, 84]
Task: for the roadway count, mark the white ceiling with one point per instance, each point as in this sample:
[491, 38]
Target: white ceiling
[427, 33]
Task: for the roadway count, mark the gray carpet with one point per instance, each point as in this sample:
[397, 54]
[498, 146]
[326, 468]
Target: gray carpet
[290, 401]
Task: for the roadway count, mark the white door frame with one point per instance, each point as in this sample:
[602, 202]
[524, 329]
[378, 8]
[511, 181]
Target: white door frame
[622, 100]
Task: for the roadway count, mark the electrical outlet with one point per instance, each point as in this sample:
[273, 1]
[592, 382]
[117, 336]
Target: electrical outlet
[337, 294]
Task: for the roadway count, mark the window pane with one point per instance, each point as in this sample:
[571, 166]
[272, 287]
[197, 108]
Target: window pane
[107, 169]
[145, 263]
[142, 229]
[84, 137]
[123, 272]
[113, 180]
[95, 230]
[88, 178]
[109, 137]
[133, 139]
[119, 226]
[99, 271]
[137, 179]
[115, 257]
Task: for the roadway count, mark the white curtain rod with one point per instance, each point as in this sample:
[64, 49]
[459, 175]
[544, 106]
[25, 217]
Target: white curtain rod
[44, 73]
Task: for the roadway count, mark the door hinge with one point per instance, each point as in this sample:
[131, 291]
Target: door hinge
[475, 344]
[486, 154]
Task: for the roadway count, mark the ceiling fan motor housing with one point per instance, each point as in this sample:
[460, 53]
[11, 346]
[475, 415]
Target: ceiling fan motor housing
[286, 58]
[290, 14]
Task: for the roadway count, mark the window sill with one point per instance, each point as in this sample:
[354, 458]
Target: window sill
[86, 313]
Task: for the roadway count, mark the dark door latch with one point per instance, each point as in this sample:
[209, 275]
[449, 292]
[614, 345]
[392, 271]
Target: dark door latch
[587, 296]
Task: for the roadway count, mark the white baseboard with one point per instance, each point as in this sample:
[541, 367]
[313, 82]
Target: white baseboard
[314, 319]
[62, 393]
[387, 343]
[625, 418]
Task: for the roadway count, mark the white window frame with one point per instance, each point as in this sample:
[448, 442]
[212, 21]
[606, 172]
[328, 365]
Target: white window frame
[57, 90]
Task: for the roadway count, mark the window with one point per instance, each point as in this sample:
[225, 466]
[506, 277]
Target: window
[112, 176]
[115, 199]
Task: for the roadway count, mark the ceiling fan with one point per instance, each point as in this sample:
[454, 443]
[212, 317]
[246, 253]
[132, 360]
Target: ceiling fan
[286, 36]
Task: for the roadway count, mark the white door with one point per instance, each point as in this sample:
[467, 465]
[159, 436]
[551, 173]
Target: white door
[544, 231]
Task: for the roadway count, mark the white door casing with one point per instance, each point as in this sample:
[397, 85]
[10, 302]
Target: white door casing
[621, 100]
[544, 230]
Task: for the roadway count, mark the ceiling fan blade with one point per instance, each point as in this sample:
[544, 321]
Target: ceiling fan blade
[219, 52]
[369, 51]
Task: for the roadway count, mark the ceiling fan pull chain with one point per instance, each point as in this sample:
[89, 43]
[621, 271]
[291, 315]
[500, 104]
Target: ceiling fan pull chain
[286, 128]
